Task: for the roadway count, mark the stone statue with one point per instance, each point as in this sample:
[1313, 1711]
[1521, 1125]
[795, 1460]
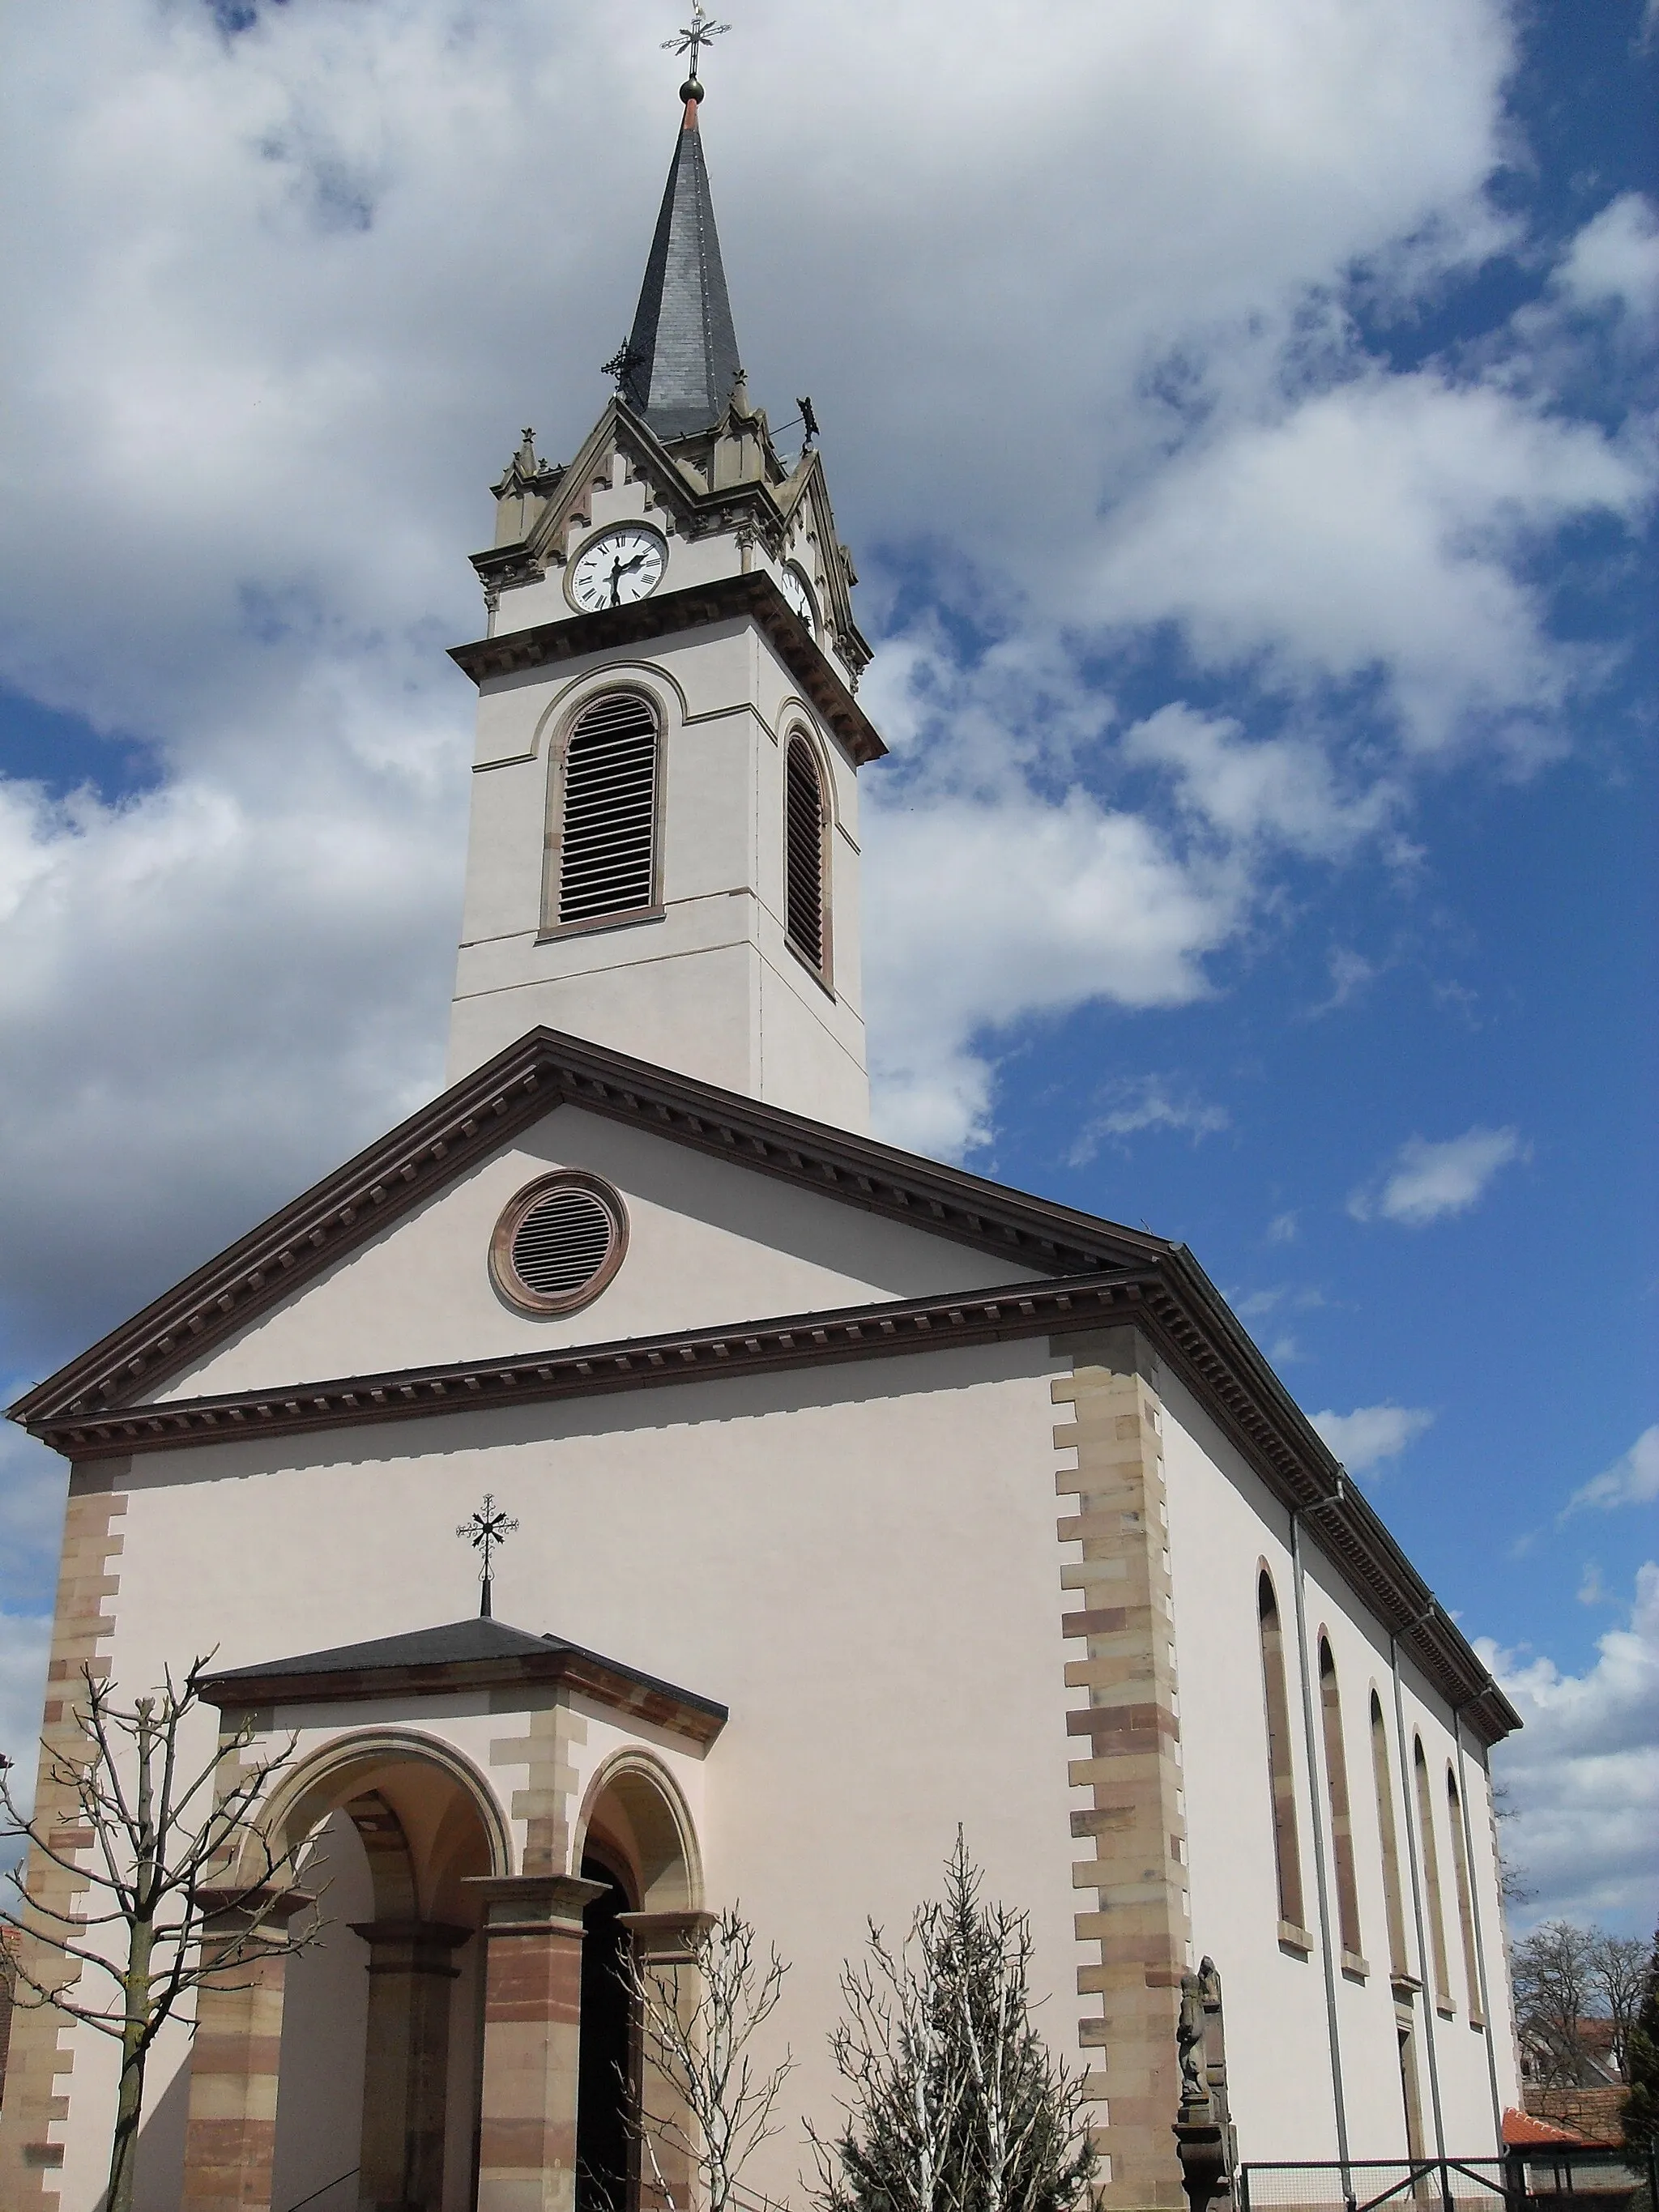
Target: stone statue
[1189, 2039]
[1203, 2131]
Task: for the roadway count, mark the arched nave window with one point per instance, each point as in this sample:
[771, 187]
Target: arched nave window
[1430, 1849]
[608, 831]
[1287, 1854]
[1336, 1783]
[1465, 1899]
[804, 827]
[1388, 1835]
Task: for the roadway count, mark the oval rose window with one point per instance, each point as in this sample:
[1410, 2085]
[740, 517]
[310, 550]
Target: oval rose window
[559, 1242]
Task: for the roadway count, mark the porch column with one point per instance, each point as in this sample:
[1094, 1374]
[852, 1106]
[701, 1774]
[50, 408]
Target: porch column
[231, 2129]
[406, 2078]
[532, 1929]
[665, 1947]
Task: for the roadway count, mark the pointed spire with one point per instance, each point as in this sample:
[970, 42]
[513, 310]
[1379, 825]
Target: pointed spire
[680, 360]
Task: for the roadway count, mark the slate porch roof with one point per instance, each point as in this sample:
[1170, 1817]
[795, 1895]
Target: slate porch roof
[463, 1655]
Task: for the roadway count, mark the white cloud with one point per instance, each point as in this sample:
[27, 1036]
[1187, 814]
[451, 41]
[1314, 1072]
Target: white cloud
[1429, 1181]
[1375, 529]
[1283, 1229]
[1370, 1433]
[1279, 789]
[1616, 257]
[1142, 1103]
[1351, 973]
[980, 914]
[1633, 1480]
[1583, 1773]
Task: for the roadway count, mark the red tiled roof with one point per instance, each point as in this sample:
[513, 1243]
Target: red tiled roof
[1522, 2127]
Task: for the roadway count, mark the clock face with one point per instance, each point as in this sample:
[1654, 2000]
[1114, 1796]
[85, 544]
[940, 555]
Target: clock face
[799, 592]
[617, 568]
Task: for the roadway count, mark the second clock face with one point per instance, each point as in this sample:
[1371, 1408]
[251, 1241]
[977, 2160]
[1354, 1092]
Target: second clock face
[617, 568]
[799, 592]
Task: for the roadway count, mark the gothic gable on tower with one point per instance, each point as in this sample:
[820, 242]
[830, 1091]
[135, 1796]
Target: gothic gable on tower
[728, 482]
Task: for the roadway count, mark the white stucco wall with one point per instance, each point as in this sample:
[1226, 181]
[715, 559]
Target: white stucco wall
[860, 1562]
[1222, 1522]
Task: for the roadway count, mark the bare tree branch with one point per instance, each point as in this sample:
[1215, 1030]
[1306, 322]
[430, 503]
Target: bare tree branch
[148, 1845]
[698, 2018]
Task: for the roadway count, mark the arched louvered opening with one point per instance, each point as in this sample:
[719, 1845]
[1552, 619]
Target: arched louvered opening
[1465, 1899]
[804, 853]
[608, 847]
[1388, 1840]
[1336, 1786]
[559, 1242]
[1281, 1777]
[1430, 1849]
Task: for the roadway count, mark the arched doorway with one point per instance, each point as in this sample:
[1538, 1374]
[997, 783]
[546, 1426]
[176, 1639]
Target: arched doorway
[607, 2092]
[635, 1837]
[382, 2019]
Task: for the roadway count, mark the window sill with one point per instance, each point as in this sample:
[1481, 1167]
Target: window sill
[1356, 1968]
[1445, 2008]
[812, 967]
[551, 932]
[1477, 2023]
[1295, 1939]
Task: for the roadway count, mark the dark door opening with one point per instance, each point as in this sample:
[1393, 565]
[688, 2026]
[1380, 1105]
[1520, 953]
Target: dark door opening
[606, 2083]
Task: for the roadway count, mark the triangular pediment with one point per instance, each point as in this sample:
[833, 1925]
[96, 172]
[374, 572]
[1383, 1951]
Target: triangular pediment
[735, 1210]
[806, 496]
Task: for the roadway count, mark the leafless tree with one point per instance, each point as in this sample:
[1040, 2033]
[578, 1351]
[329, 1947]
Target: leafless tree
[954, 2103]
[161, 1846]
[1554, 1973]
[1620, 1977]
[698, 2017]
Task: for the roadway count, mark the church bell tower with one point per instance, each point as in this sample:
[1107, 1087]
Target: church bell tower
[664, 853]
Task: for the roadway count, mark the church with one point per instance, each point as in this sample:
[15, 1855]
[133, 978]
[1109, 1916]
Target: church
[857, 1497]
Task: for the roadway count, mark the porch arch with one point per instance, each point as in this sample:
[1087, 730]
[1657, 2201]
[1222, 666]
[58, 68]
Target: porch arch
[634, 1805]
[395, 1990]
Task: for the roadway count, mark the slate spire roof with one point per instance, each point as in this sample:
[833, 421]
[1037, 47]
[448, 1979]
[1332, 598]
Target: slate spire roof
[681, 360]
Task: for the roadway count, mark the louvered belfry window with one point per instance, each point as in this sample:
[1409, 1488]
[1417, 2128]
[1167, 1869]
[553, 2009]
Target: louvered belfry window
[608, 854]
[803, 851]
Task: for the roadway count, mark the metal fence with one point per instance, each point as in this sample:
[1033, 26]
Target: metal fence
[1533, 2178]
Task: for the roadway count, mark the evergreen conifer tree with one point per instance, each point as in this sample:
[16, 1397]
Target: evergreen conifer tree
[1641, 2107]
[954, 2103]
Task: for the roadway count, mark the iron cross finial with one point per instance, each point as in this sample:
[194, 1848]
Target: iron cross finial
[694, 36]
[486, 1528]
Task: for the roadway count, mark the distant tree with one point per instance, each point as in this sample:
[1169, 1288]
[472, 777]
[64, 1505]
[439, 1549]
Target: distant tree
[698, 2018]
[1641, 2109]
[1554, 1974]
[1620, 1973]
[157, 1844]
[953, 2102]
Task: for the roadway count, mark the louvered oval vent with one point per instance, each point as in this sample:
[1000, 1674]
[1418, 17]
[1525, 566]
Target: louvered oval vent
[803, 851]
[607, 863]
[559, 1244]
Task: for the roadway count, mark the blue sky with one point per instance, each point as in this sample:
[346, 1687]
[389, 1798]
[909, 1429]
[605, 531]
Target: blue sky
[1244, 418]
